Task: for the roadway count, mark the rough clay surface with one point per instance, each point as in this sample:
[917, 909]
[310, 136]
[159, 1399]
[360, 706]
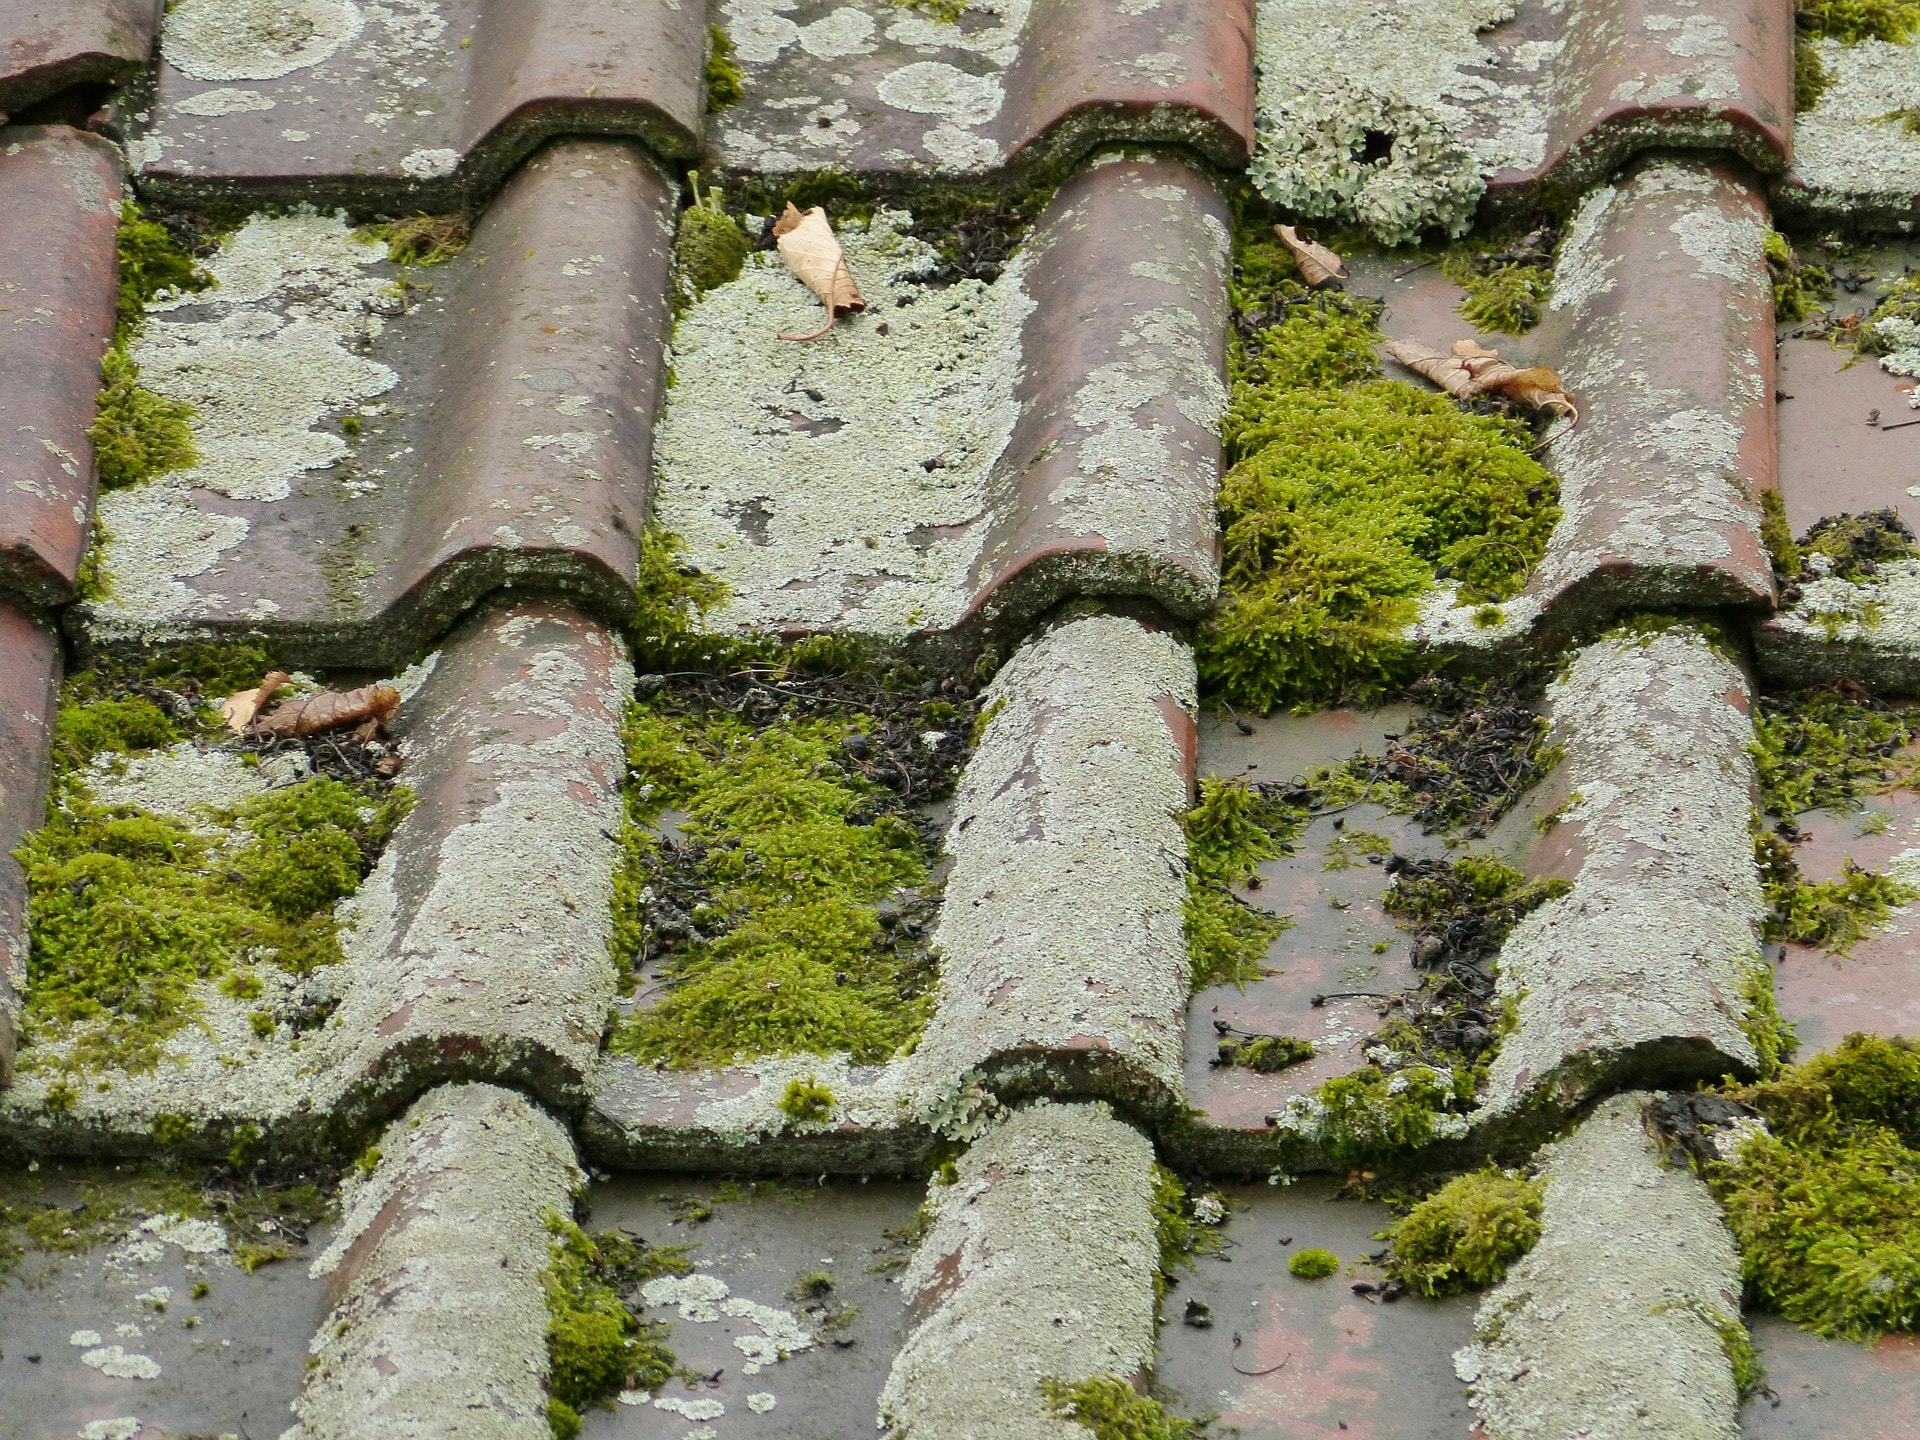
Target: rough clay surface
[1612, 1326]
[1657, 942]
[1061, 928]
[1039, 1264]
[1331, 71]
[440, 1327]
[862, 509]
[1853, 152]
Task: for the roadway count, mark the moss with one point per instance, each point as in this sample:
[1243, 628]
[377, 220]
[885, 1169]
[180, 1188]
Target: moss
[789, 952]
[1827, 747]
[137, 434]
[1348, 848]
[1798, 290]
[1113, 1410]
[710, 248]
[726, 82]
[1371, 1113]
[1825, 1203]
[1855, 546]
[596, 1346]
[116, 727]
[1505, 298]
[671, 602]
[1178, 1235]
[1810, 77]
[1267, 1054]
[1345, 504]
[1466, 1235]
[1777, 535]
[152, 263]
[1737, 1342]
[1230, 833]
[1832, 914]
[1773, 1036]
[947, 12]
[421, 239]
[807, 1101]
[1471, 904]
[1852, 21]
[1313, 1264]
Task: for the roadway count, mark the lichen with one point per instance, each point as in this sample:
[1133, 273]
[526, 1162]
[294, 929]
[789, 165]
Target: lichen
[1113, 1410]
[1466, 1234]
[726, 81]
[1823, 1197]
[786, 913]
[596, 1345]
[1349, 497]
[1313, 1264]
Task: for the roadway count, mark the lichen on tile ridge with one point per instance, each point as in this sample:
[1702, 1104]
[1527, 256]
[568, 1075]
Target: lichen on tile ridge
[1614, 1323]
[1040, 1262]
[1333, 74]
[1665, 910]
[1856, 157]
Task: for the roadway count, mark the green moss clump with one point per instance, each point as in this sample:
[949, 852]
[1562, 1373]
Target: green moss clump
[129, 910]
[1365, 1115]
[596, 1346]
[1798, 289]
[792, 956]
[726, 81]
[710, 248]
[152, 262]
[117, 727]
[1473, 902]
[1825, 748]
[1506, 298]
[807, 1101]
[1777, 535]
[1179, 1236]
[671, 602]
[1313, 1264]
[1113, 1410]
[1810, 77]
[947, 12]
[1855, 546]
[137, 434]
[1852, 21]
[1345, 503]
[1773, 1035]
[1267, 1054]
[1832, 914]
[1229, 833]
[1825, 1205]
[421, 239]
[1466, 1235]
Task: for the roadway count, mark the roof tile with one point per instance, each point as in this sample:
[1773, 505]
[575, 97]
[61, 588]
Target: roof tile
[29, 671]
[48, 45]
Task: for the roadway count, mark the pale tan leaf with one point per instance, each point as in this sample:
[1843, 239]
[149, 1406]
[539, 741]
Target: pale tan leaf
[1470, 369]
[1538, 388]
[238, 710]
[328, 710]
[1318, 265]
[1449, 372]
[808, 245]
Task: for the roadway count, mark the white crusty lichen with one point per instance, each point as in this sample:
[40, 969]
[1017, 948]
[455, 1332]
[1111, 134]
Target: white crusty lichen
[1857, 149]
[1039, 1264]
[255, 39]
[1866, 629]
[439, 1259]
[841, 484]
[1618, 1322]
[1662, 923]
[1073, 791]
[1390, 115]
[263, 357]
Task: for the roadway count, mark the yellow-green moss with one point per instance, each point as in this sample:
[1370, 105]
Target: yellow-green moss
[1179, 1236]
[726, 82]
[1773, 1035]
[1825, 1206]
[1832, 914]
[1229, 833]
[1776, 534]
[671, 602]
[1313, 1264]
[1113, 1410]
[1467, 1234]
[807, 1101]
[1266, 1054]
[151, 262]
[421, 239]
[137, 434]
[794, 957]
[1798, 289]
[1810, 77]
[1349, 497]
[596, 1346]
[710, 247]
[1825, 748]
[1852, 21]
[1506, 298]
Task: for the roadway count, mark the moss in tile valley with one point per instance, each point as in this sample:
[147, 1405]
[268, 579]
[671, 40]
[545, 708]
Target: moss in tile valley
[1832, 914]
[1467, 1234]
[947, 12]
[709, 248]
[1827, 747]
[807, 1101]
[1851, 21]
[1233, 829]
[787, 908]
[1507, 273]
[1313, 1264]
[1810, 77]
[1824, 1201]
[1184, 1226]
[726, 81]
[131, 911]
[421, 239]
[1111, 1409]
[1348, 499]
[1799, 288]
[596, 1345]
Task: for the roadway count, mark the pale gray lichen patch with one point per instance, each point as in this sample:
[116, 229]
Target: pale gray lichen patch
[186, 781]
[861, 509]
[1854, 149]
[1446, 624]
[1039, 1263]
[1866, 630]
[255, 39]
[1612, 1326]
[1338, 78]
[159, 539]
[1657, 943]
[439, 1259]
[1072, 792]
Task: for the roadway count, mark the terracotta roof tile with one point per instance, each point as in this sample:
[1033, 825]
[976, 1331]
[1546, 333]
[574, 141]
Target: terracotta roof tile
[49, 45]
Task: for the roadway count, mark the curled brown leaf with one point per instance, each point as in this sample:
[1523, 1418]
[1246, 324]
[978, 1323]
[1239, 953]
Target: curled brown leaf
[239, 709]
[1469, 369]
[1319, 266]
[808, 245]
[328, 710]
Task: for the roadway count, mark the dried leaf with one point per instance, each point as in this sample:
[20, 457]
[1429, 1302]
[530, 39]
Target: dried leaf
[1470, 369]
[808, 246]
[1318, 265]
[238, 710]
[329, 710]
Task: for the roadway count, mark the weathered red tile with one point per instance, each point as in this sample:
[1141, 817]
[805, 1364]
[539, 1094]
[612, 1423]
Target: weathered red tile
[874, 87]
[496, 433]
[408, 106]
[48, 45]
[1832, 1389]
[29, 671]
[60, 190]
[1664, 310]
